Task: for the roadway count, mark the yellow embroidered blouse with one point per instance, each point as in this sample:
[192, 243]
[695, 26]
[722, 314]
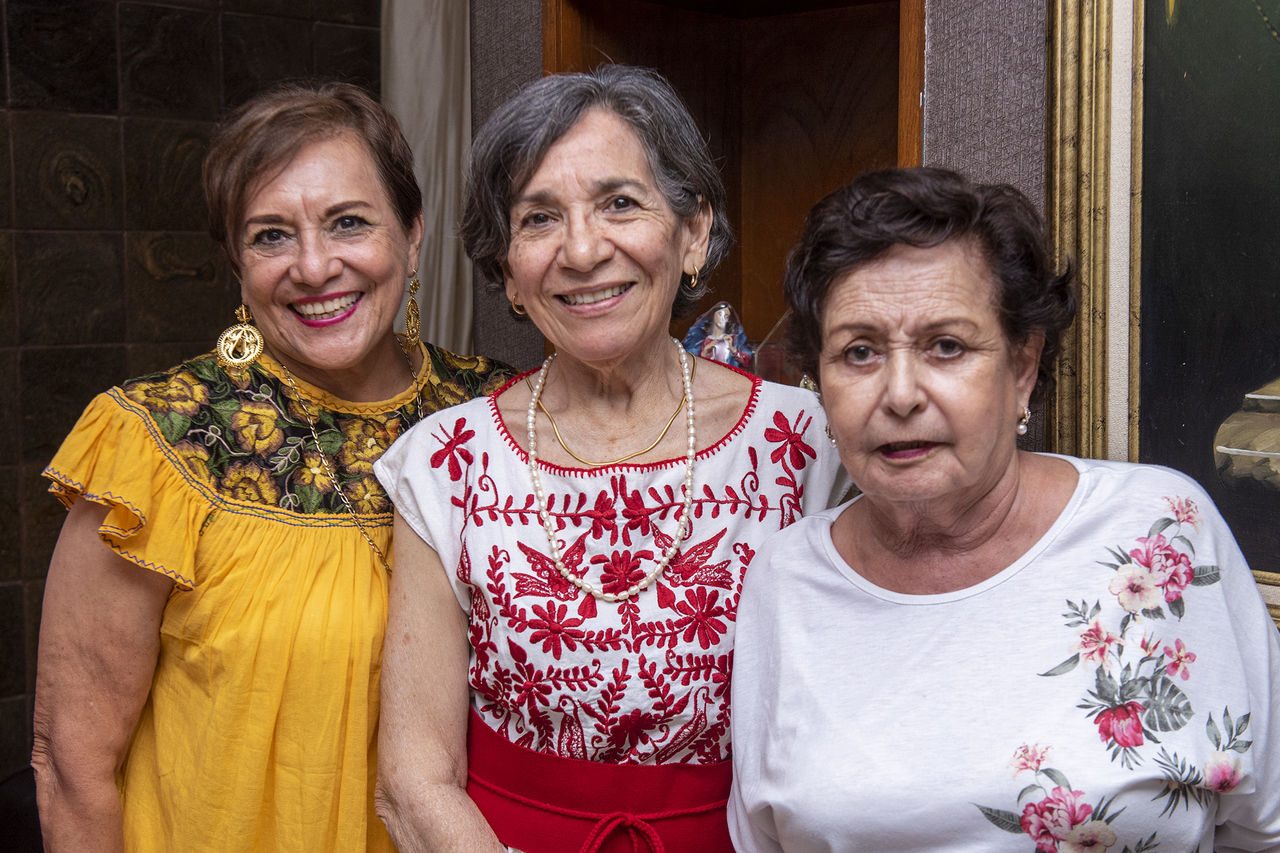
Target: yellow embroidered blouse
[261, 728]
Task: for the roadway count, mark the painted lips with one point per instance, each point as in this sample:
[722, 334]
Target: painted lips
[325, 311]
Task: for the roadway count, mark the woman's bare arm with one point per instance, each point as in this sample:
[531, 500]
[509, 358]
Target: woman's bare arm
[422, 736]
[99, 638]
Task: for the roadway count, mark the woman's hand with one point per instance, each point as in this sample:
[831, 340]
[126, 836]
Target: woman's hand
[422, 736]
[99, 638]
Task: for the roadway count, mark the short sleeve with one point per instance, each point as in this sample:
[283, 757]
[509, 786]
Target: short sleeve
[400, 484]
[116, 457]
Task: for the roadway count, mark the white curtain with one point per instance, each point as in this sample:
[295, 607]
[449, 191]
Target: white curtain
[426, 82]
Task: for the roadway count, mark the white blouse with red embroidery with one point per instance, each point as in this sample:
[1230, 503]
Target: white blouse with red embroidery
[642, 681]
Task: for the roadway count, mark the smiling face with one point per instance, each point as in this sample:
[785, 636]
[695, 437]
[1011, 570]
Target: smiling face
[323, 261]
[921, 387]
[596, 254]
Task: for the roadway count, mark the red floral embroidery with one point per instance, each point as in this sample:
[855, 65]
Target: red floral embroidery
[453, 449]
[792, 440]
[643, 680]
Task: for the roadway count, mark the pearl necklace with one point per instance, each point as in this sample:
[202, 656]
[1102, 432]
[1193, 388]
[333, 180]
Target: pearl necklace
[545, 515]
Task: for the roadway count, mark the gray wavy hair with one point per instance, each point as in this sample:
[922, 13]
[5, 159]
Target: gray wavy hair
[509, 148]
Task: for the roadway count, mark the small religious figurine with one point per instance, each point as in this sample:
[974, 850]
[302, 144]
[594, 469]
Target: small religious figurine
[719, 336]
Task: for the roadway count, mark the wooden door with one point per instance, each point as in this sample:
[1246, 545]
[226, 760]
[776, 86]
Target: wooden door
[796, 98]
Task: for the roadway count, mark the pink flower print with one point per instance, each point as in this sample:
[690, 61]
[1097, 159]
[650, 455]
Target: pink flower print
[701, 616]
[453, 449]
[1160, 557]
[1222, 772]
[1028, 758]
[1185, 511]
[551, 628]
[1095, 644]
[1150, 645]
[1179, 657]
[1179, 579]
[1050, 820]
[1122, 724]
[1092, 837]
[1136, 588]
[791, 440]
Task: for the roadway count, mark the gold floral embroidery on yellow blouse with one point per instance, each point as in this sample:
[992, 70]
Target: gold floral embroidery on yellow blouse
[249, 440]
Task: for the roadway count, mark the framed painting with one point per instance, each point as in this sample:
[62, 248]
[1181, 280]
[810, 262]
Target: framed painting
[1209, 365]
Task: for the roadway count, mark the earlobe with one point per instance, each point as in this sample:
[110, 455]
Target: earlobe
[1028, 363]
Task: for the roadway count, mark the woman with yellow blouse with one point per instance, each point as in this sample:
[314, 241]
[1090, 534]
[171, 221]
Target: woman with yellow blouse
[212, 629]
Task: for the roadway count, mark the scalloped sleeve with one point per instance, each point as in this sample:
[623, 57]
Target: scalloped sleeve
[117, 457]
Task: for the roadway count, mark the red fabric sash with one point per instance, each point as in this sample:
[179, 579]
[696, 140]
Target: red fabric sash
[542, 803]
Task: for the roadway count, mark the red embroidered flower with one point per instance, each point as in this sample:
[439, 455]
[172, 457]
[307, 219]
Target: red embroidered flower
[551, 628]
[634, 511]
[790, 439]
[621, 570]
[603, 516]
[701, 616]
[1122, 724]
[453, 449]
[1049, 821]
[631, 730]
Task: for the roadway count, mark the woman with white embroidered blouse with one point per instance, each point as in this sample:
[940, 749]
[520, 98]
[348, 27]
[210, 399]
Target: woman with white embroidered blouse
[560, 639]
[989, 649]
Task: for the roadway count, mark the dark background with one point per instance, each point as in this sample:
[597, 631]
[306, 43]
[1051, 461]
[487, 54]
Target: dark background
[106, 267]
[1211, 242]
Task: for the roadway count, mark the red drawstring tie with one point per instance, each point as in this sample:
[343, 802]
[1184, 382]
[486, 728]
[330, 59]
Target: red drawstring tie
[609, 823]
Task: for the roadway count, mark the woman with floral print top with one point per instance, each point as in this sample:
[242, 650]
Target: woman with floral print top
[213, 616]
[989, 649]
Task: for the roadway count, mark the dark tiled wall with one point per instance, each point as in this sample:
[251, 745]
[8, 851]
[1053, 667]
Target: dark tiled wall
[106, 269]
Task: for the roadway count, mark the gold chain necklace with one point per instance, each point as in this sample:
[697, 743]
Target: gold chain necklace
[324, 459]
[693, 372]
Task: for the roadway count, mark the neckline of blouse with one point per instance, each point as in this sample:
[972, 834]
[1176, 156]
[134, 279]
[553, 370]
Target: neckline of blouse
[753, 399]
[322, 398]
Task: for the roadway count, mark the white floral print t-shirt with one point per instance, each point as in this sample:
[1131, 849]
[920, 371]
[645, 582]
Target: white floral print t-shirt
[1115, 689]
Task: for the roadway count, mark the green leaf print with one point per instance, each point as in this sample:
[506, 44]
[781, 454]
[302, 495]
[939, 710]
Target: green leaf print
[1168, 708]
[1008, 821]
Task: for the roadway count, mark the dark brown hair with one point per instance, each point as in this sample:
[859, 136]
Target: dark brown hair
[508, 149]
[926, 207]
[263, 134]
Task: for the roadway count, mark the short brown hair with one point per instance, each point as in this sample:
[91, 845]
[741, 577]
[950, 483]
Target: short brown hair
[925, 207]
[266, 131]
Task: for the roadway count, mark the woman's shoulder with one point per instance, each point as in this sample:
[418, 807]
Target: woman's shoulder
[1137, 481]
[456, 378]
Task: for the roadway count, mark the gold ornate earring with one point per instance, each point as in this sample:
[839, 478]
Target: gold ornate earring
[412, 319]
[1024, 420]
[239, 346]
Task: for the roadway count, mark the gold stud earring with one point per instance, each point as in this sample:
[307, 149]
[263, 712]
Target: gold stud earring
[240, 345]
[412, 319]
[1024, 420]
